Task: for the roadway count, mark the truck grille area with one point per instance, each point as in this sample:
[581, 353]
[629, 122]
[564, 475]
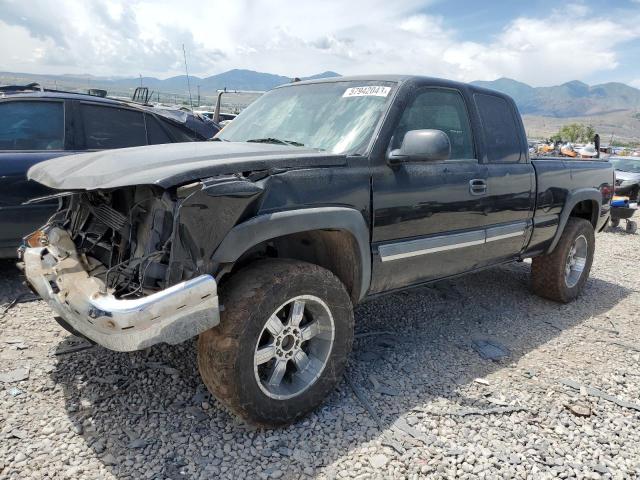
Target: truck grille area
[123, 235]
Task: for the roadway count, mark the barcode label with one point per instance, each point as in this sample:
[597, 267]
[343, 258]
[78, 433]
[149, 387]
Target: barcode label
[370, 91]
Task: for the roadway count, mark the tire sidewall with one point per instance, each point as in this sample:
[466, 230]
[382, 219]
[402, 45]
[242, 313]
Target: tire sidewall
[577, 229]
[249, 392]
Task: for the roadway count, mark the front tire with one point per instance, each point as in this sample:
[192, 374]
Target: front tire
[282, 344]
[561, 275]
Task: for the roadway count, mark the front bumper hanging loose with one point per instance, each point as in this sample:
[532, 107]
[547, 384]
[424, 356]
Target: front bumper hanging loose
[172, 315]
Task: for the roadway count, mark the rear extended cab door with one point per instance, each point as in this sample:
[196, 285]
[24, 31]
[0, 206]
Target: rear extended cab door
[510, 192]
[43, 131]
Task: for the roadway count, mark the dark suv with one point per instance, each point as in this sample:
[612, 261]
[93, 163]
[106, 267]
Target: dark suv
[38, 124]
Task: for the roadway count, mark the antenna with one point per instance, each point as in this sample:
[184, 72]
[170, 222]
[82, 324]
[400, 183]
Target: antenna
[184, 52]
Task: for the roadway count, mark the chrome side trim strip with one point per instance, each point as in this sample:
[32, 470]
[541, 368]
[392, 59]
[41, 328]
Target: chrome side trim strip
[505, 235]
[502, 232]
[424, 246]
[442, 243]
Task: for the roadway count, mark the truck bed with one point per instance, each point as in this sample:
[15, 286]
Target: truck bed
[558, 178]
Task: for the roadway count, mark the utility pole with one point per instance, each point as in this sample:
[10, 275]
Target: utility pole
[198, 95]
[186, 69]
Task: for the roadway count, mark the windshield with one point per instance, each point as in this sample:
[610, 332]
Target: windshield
[626, 165]
[338, 117]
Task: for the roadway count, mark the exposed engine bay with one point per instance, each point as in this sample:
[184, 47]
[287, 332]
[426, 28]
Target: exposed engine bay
[123, 235]
[143, 239]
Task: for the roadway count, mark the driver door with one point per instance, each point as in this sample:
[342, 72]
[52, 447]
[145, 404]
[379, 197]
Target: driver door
[429, 216]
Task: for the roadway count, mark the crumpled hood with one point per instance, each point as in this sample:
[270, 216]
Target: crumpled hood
[172, 164]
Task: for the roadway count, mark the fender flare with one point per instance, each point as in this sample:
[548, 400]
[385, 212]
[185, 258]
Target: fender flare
[572, 200]
[258, 229]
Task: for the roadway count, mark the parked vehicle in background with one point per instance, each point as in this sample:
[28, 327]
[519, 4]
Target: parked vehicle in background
[319, 195]
[38, 124]
[224, 117]
[627, 176]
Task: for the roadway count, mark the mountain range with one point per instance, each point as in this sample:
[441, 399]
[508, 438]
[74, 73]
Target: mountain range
[235, 79]
[571, 99]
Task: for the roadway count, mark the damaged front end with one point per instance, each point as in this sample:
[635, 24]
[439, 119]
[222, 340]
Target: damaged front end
[130, 267]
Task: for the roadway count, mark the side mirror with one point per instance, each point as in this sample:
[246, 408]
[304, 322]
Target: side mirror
[421, 146]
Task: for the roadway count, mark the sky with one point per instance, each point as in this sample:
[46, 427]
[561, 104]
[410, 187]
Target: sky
[539, 42]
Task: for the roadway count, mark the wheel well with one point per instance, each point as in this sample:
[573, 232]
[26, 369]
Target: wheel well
[335, 250]
[587, 209]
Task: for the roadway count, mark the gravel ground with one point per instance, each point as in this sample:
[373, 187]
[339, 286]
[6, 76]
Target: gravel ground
[419, 400]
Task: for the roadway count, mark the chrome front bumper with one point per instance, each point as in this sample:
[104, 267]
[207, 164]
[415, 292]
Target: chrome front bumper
[170, 316]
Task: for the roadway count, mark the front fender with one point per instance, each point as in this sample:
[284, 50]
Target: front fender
[248, 234]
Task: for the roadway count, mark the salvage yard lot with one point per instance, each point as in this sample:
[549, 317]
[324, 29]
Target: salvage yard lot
[564, 402]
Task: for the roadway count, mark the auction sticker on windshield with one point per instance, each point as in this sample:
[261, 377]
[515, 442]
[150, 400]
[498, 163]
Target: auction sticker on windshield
[370, 91]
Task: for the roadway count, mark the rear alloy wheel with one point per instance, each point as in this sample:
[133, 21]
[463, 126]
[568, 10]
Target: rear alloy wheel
[561, 275]
[282, 343]
[576, 261]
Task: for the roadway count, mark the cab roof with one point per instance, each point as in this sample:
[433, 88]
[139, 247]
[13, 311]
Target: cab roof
[400, 79]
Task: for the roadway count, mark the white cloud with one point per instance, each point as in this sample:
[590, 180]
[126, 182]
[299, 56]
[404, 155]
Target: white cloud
[297, 37]
[547, 50]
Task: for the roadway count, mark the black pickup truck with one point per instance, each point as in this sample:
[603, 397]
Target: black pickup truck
[318, 196]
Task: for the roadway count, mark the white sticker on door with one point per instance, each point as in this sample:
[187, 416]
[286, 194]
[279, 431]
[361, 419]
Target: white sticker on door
[370, 91]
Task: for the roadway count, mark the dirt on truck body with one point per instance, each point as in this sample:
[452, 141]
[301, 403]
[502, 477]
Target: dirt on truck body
[320, 195]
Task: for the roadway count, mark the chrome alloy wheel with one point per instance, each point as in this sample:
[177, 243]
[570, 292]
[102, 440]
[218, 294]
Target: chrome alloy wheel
[294, 347]
[576, 261]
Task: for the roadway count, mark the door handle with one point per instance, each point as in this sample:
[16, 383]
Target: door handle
[477, 186]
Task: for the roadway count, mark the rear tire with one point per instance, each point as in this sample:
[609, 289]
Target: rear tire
[272, 371]
[561, 275]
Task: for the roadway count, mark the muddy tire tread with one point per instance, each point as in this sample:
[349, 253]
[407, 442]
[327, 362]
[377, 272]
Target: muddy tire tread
[219, 348]
[547, 271]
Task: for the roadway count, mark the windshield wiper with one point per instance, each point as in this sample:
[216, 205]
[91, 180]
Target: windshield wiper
[276, 141]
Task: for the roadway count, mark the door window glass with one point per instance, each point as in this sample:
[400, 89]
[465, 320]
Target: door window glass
[181, 134]
[501, 134]
[155, 134]
[32, 125]
[439, 109]
[110, 127]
